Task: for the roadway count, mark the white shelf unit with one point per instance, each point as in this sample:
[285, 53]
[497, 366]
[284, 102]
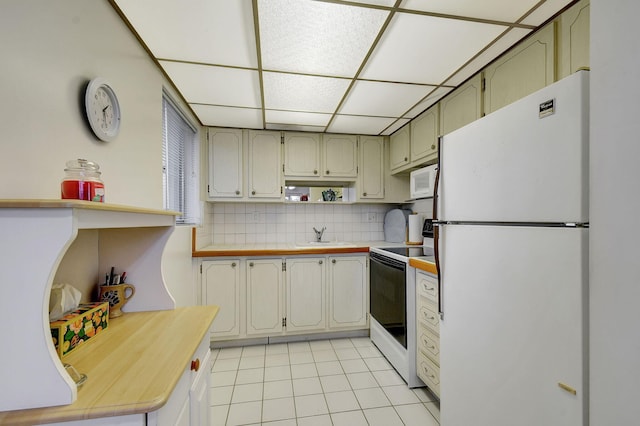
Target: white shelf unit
[37, 235]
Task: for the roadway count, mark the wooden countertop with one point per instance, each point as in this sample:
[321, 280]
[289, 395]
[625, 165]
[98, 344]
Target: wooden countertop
[132, 366]
[423, 264]
[275, 249]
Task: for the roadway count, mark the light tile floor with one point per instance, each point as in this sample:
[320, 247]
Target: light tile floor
[325, 382]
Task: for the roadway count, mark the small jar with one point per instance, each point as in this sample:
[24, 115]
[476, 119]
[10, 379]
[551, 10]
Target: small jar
[82, 181]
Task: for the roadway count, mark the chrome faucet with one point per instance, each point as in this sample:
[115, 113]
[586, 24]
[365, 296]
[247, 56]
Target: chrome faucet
[319, 233]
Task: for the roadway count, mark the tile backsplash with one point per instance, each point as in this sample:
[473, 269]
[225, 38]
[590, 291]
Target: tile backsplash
[255, 223]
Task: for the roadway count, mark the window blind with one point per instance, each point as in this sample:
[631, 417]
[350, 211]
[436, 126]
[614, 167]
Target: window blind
[180, 164]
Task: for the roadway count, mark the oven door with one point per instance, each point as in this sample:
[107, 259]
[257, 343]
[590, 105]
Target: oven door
[388, 292]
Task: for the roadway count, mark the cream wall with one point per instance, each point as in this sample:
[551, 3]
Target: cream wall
[49, 51]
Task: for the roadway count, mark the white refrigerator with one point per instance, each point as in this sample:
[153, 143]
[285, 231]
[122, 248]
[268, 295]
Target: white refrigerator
[512, 206]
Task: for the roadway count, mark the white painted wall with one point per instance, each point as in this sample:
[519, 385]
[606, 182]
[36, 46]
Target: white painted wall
[615, 203]
[49, 52]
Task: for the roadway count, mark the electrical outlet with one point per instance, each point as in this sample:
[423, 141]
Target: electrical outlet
[256, 217]
[371, 217]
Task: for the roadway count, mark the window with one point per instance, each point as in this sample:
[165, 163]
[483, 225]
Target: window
[180, 163]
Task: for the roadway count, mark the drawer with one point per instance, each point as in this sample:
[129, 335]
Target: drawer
[429, 344]
[427, 286]
[429, 373]
[429, 317]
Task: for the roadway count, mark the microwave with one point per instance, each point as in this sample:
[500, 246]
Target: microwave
[423, 181]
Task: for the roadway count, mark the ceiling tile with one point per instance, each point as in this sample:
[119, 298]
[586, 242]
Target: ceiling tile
[302, 92]
[297, 118]
[295, 128]
[204, 84]
[395, 126]
[495, 50]
[215, 32]
[424, 49]
[433, 97]
[545, 11]
[359, 125]
[387, 3]
[314, 37]
[383, 99]
[211, 115]
[499, 10]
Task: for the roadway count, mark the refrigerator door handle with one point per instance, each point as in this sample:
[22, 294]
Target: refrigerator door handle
[436, 230]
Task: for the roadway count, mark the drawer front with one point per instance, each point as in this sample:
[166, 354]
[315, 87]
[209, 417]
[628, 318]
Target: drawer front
[429, 344]
[429, 373]
[428, 317]
[427, 286]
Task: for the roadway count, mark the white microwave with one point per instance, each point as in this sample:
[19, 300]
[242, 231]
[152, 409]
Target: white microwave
[423, 181]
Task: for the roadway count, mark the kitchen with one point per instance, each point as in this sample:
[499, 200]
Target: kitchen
[40, 89]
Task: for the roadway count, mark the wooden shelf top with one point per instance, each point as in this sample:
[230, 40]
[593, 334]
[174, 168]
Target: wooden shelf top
[80, 204]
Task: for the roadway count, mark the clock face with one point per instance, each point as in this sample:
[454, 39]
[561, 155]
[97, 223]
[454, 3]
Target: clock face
[103, 110]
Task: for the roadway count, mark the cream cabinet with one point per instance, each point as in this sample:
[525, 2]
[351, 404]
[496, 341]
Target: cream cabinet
[302, 155]
[428, 331]
[265, 176]
[462, 106]
[265, 301]
[400, 149]
[222, 287]
[370, 183]
[573, 39]
[424, 137]
[327, 156]
[305, 294]
[339, 156]
[348, 292]
[526, 68]
[225, 163]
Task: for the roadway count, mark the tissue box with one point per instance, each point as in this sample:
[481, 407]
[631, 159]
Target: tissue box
[77, 326]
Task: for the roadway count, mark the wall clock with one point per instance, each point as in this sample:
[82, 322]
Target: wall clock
[103, 110]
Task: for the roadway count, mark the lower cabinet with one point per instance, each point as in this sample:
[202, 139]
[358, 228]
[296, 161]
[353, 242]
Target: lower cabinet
[260, 297]
[428, 331]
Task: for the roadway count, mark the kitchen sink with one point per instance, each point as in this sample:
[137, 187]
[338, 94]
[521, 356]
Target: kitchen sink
[325, 244]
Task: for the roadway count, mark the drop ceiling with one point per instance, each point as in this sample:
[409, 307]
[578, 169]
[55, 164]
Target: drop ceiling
[358, 66]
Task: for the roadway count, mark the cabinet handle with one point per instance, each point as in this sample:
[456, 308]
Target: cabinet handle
[433, 147]
[315, 172]
[320, 262]
[364, 194]
[333, 261]
[251, 264]
[195, 365]
[327, 172]
[233, 265]
[237, 192]
[405, 159]
[253, 192]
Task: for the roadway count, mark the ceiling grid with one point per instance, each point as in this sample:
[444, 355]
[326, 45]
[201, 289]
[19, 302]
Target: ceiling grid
[359, 66]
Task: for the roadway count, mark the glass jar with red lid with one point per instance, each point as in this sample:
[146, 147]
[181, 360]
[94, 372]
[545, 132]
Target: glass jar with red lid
[82, 181]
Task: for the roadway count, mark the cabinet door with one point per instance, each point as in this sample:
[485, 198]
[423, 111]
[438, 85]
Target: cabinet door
[348, 292]
[265, 311]
[424, 137]
[306, 308]
[199, 394]
[399, 152]
[265, 165]
[225, 163]
[221, 287]
[340, 156]
[371, 177]
[573, 43]
[302, 154]
[528, 67]
[462, 106]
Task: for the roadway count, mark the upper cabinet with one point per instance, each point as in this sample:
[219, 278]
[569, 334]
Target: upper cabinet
[573, 43]
[528, 67]
[370, 185]
[265, 161]
[225, 163]
[462, 106]
[416, 144]
[327, 156]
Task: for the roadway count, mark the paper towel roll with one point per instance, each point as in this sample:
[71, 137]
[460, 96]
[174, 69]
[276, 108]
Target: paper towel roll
[415, 228]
